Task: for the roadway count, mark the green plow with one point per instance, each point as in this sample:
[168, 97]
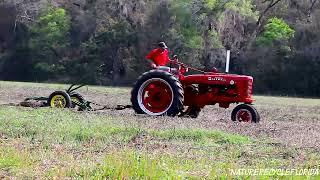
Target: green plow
[68, 99]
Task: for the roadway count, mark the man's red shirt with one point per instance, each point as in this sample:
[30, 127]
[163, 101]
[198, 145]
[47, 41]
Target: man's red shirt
[159, 57]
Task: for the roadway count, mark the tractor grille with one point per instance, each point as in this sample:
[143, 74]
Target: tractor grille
[250, 88]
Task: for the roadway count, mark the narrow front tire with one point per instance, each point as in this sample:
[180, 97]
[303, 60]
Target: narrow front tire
[245, 113]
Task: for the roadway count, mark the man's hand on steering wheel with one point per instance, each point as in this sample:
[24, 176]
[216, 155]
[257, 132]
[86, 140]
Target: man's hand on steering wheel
[174, 60]
[153, 66]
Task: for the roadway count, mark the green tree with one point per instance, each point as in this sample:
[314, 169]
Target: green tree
[275, 30]
[49, 41]
[184, 23]
[218, 29]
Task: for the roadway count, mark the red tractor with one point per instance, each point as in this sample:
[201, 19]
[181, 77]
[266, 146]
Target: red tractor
[165, 92]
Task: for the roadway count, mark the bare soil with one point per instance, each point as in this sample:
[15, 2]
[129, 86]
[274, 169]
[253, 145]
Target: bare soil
[289, 124]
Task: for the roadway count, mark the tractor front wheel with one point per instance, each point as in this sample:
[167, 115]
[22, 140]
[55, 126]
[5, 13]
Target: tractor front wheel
[157, 93]
[245, 113]
[59, 99]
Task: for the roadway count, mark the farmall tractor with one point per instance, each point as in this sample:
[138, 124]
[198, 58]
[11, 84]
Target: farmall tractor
[168, 91]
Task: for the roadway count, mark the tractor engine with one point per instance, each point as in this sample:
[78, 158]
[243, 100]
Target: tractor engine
[223, 89]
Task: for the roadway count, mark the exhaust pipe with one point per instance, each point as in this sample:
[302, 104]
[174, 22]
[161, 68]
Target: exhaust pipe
[228, 61]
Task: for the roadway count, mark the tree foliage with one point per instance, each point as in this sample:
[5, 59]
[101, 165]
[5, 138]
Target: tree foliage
[105, 41]
[182, 15]
[275, 30]
[49, 40]
[51, 30]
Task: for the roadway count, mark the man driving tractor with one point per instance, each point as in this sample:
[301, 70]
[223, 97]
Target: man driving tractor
[160, 56]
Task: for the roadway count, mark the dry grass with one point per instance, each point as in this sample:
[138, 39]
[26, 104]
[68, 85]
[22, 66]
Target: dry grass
[47, 143]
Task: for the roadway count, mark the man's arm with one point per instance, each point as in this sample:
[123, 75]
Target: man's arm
[150, 57]
[168, 58]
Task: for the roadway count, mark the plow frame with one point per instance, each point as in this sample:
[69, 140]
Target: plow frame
[83, 105]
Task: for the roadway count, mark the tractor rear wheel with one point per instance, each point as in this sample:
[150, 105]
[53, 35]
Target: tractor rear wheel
[157, 93]
[59, 99]
[245, 113]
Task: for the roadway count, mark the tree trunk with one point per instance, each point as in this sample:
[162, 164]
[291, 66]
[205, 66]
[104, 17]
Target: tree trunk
[208, 58]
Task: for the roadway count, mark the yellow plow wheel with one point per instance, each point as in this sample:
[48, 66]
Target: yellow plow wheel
[59, 99]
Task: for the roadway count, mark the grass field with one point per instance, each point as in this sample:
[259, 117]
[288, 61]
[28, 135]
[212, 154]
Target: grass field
[51, 143]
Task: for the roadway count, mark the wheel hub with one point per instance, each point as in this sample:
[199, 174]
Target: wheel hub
[58, 101]
[155, 96]
[244, 115]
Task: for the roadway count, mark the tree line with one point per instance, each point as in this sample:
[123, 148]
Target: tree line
[105, 41]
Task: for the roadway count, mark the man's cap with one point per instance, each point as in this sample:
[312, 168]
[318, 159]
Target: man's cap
[162, 45]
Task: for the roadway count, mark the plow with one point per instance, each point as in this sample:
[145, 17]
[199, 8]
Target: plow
[68, 99]
[166, 91]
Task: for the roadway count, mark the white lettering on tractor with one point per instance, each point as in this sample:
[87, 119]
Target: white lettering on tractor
[216, 79]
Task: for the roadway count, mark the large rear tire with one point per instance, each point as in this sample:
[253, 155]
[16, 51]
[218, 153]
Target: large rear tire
[157, 93]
